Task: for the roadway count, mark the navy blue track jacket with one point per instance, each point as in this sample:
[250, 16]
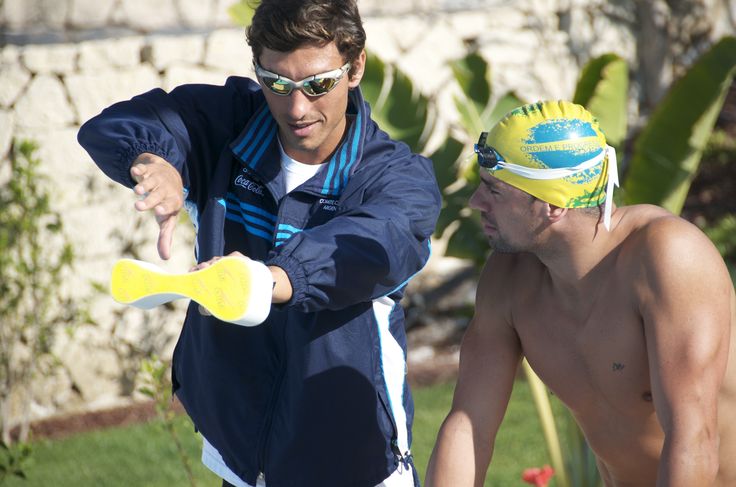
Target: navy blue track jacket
[316, 395]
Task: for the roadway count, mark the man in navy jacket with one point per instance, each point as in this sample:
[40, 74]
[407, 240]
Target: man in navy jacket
[293, 172]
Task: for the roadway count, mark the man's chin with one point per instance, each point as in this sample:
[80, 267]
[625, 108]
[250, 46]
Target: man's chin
[500, 246]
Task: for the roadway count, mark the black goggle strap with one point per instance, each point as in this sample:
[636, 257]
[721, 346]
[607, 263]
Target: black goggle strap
[487, 157]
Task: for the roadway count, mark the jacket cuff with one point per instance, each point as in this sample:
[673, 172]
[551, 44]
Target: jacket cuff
[128, 156]
[295, 272]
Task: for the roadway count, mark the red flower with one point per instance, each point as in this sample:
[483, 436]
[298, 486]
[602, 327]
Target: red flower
[539, 477]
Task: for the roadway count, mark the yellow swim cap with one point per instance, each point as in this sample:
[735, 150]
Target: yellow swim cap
[554, 151]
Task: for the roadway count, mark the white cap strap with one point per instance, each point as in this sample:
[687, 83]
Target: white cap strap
[551, 173]
[612, 180]
[559, 173]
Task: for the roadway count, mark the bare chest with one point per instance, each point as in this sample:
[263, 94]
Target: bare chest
[594, 358]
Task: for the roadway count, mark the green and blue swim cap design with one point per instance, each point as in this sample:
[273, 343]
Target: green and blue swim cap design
[555, 151]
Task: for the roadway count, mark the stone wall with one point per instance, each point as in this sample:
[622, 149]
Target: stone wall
[88, 54]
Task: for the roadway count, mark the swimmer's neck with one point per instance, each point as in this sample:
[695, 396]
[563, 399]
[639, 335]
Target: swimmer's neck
[576, 256]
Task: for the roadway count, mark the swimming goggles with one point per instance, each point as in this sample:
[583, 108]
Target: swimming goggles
[489, 159]
[315, 85]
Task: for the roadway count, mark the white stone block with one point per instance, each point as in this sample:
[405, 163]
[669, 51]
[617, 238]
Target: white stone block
[723, 15]
[149, 16]
[105, 223]
[93, 366]
[610, 37]
[98, 222]
[221, 16]
[44, 105]
[9, 54]
[227, 50]
[555, 79]
[184, 74]
[13, 81]
[510, 18]
[196, 13]
[50, 58]
[542, 11]
[62, 159]
[7, 127]
[92, 92]
[469, 25]
[426, 60]
[124, 52]
[405, 31]
[515, 79]
[500, 54]
[168, 50]
[25, 13]
[90, 14]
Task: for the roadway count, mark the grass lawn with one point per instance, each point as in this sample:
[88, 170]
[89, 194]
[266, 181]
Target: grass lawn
[144, 455]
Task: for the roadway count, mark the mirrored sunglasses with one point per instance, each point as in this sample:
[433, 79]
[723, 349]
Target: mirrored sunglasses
[315, 85]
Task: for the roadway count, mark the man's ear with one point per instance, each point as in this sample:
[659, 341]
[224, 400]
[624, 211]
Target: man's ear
[555, 213]
[357, 69]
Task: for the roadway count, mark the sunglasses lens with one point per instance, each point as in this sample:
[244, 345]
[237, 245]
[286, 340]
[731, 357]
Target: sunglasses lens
[278, 86]
[319, 86]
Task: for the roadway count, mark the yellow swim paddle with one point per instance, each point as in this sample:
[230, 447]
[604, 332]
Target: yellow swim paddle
[232, 289]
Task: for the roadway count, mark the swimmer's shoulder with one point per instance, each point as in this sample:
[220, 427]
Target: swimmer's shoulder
[656, 237]
[652, 227]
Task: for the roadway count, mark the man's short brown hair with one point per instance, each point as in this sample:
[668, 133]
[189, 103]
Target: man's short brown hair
[286, 25]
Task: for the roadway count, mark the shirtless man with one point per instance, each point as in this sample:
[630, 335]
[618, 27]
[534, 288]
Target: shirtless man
[628, 319]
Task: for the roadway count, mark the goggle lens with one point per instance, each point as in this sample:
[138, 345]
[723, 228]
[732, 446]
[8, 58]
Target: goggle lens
[488, 158]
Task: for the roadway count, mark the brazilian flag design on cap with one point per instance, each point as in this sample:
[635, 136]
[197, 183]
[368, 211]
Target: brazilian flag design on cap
[555, 151]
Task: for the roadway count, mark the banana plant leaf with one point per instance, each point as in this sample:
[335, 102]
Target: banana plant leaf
[373, 81]
[603, 89]
[668, 151]
[473, 76]
[398, 106]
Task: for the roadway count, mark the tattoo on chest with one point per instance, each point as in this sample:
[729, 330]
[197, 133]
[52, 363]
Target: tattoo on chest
[617, 367]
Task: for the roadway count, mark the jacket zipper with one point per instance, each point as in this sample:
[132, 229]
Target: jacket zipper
[265, 433]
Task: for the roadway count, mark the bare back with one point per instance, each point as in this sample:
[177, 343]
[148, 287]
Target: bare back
[600, 355]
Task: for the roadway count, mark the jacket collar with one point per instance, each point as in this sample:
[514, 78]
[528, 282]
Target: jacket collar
[257, 148]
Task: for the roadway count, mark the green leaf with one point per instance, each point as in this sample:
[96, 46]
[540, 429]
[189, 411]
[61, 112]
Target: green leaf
[468, 240]
[445, 161]
[372, 83]
[472, 74]
[404, 113]
[242, 12]
[453, 205]
[603, 89]
[668, 151]
[504, 105]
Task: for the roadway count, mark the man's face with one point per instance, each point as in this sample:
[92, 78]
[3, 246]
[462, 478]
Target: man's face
[509, 216]
[310, 128]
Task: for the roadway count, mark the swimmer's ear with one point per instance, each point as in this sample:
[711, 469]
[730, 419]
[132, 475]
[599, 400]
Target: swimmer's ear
[555, 213]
